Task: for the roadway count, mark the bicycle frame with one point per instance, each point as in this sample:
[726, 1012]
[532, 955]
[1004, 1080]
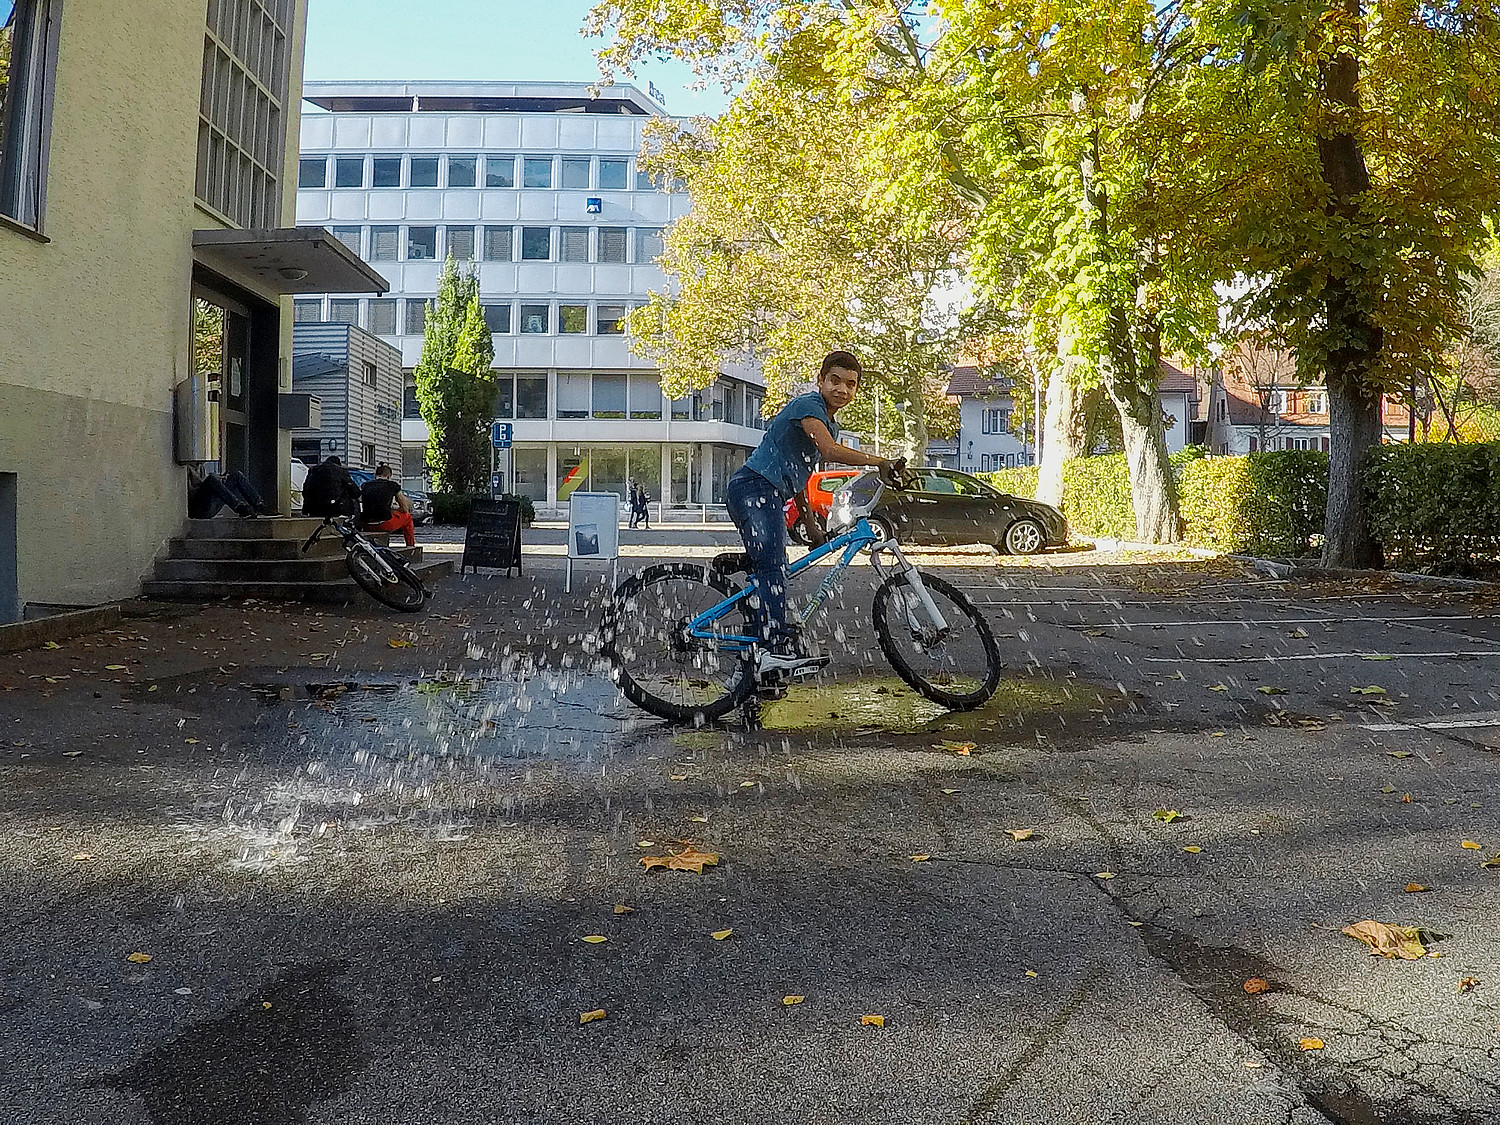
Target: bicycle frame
[353, 540]
[856, 539]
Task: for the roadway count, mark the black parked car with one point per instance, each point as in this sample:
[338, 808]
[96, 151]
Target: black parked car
[944, 508]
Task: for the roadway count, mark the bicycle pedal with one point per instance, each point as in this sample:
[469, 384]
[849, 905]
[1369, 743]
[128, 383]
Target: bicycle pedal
[811, 668]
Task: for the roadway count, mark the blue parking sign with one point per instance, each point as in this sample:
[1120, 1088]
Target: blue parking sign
[500, 433]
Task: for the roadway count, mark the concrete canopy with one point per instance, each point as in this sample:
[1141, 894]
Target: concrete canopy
[287, 260]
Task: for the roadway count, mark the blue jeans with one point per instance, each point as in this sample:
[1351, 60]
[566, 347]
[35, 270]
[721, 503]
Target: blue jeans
[757, 510]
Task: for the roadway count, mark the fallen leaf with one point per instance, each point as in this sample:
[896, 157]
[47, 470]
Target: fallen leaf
[687, 860]
[621, 908]
[1192, 849]
[788, 1001]
[1406, 798]
[1271, 690]
[1253, 1064]
[590, 1017]
[1256, 985]
[699, 819]
[1310, 1043]
[1416, 888]
[871, 1021]
[1372, 689]
[1104, 875]
[114, 667]
[1217, 734]
[191, 741]
[138, 958]
[1217, 687]
[949, 792]
[399, 642]
[720, 935]
[1300, 634]
[920, 858]
[747, 785]
[954, 747]
[1386, 940]
[1166, 816]
[1467, 983]
[83, 857]
[595, 939]
[679, 777]
[51, 644]
[1469, 845]
[1031, 972]
[1021, 833]
[1399, 753]
[645, 843]
[1493, 861]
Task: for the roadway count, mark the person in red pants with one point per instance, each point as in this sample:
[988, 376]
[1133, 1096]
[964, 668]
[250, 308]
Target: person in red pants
[384, 507]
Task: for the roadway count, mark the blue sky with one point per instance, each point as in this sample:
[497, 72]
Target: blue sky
[499, 40]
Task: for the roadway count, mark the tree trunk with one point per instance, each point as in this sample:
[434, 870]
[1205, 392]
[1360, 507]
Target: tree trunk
[1354, 426]
[914, 428]
[1064, 431]
[1153, 488]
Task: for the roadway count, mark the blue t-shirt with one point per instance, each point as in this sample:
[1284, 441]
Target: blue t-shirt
[786, 456]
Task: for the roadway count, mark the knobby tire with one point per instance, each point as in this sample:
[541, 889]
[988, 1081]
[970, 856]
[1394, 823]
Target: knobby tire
[953, 604]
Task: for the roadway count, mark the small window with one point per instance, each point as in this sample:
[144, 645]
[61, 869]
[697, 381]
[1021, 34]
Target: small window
[531, 396]
[648, 245]
[609, 396]
[500, 171]
[416, 316]
[573, 244]
[344, 310]
[613, 174]
[312, 172]
[367, 454]
[536, 319]
[611, 320]
[463, 171]
[612, 243]
[682, 409]
[349, 171]
[536, 244]
[29, 32]
[424, 171]
[421, 243]
[349, 236]
[645, 396]
[575, 172]
[461, 243]
[572, 394]
[573, 319]
[497, 244]
[386, 171]
[497, 317]
[384, 242]
[410, 407]
[536, 171]
[505, 396]
[383, 316]
[645, 181]
[367, 371]
[307, 312]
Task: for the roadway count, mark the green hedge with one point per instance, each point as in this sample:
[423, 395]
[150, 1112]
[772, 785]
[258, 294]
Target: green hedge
[1096, 496]
[453, 507]
[1436, 507]
[1015, 482]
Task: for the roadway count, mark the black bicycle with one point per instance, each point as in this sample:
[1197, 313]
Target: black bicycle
[380, 572]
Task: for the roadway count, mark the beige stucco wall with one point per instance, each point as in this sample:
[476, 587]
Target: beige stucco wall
[94, 332]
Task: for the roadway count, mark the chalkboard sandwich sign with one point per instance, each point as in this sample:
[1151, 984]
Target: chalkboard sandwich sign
[493, 537]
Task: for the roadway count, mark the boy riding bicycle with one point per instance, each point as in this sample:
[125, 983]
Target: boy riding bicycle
[798, 439]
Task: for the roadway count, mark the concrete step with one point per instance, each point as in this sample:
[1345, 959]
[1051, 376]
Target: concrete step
[267, 527]
[288, 549]
[263, 570]
[331, 591]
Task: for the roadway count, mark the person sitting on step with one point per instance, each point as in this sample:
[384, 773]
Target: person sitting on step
[384, 507]
[209, 492]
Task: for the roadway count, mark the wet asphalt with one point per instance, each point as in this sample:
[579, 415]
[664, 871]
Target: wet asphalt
[362, 852]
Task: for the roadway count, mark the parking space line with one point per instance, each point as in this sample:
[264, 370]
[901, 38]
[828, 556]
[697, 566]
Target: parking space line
[1276, 658]
[1477, 721]
[1283, 621]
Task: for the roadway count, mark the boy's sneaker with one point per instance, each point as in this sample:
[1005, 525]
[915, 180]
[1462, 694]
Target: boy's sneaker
[786, 666]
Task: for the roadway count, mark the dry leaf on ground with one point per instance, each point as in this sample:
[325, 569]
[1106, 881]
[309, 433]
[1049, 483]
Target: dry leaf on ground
[400, 642]
[83, 857]
[1493, 861]
[1371, 689]
[788, 1001]
[621, 908]
[1166, 816]
[1104, 875]
[921, 858]
[114, 667]
[720, 935]
[688, 860]
[1399, 753]
[1386, 940]
[1271, 690]
[871, 1021]
[1310, 1043]
[954, 747]
[1021, 833]
[1192, 849]
[138, 958]
[595, 939]
[1415, 888]
[1257, 985]
[1469, 845]
[590, 1017]
[1467, 983]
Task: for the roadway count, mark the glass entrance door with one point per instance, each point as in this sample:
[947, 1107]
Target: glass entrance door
[221, 356]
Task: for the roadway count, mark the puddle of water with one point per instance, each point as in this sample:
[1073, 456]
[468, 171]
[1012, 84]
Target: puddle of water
[887, 705]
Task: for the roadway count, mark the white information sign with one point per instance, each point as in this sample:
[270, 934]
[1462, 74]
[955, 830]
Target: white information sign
[593, 530]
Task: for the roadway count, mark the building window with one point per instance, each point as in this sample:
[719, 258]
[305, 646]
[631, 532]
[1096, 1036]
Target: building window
[497, 244]
[611, 320]
[500, 171]
[1254, 445]
[344, 310]
[536, 318]
[573, 391]
[307, 312]
[241, 136]
[312, 172]
[383, 316]
[505, 396]
[645, 396]
[423, 171]
[385, 171]
[1317, 404]
[648, 246]
[349, 236]
[497, 317]
[367, 454]
[613, 174]
[612, 243]
[461, 243]
[463, 171]
[367, 372]
[575, 172]
[530, 473]
[410, 407]
[384, 242]
[1276, 401]
[609, 396]
[645, 181]
[536, 171]
[992, 421]
[536, 244]
[573, 244]
[416, 316]
[29, 33]
[421, 243]
[682, 409]
[573, 319]
[349, 171]
[531, 396]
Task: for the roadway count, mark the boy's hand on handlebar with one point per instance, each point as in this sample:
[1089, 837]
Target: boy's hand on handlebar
[893, 469]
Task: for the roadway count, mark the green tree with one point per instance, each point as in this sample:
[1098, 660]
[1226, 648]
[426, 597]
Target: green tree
[455, 385]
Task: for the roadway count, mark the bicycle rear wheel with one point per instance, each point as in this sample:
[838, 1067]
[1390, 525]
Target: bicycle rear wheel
[406, 593]
[958, 667]
[658, 666]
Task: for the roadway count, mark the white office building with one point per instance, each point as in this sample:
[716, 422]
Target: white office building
[538, 184]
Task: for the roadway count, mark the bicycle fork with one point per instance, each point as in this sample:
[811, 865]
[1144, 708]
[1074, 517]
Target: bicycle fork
[914, 583]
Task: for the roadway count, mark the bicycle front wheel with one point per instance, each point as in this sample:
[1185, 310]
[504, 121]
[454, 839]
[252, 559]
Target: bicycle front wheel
[402, 589]
[957, 666]
[659, 666]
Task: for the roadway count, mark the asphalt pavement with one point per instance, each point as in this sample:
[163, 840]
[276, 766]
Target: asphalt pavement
[363, 852]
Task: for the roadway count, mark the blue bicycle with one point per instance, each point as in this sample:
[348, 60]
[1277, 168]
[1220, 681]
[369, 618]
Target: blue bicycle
[682, 646]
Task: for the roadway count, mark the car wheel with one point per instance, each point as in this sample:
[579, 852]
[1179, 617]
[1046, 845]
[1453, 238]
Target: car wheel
[882, 527]
[1024, 537]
